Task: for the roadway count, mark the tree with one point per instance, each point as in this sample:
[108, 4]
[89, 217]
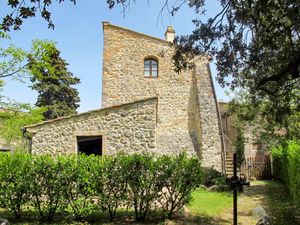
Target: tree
[23, 9]
[256, 45]
[274, 121]
[52, 80]
[14, 61]
[239, 146]
[15, 115]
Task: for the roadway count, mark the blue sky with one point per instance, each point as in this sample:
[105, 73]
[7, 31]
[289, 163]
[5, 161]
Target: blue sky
[79, 37]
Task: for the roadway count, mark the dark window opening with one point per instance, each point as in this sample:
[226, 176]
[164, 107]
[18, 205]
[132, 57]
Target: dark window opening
[151, 68]
[90, 145]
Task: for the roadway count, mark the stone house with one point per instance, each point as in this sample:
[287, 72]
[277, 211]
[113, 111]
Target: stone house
[146, 105]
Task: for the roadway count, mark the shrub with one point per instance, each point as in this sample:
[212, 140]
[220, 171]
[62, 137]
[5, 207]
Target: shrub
[83, 183]
[286, 158]
[208, 175]
[114, 192]
[278, 163]
[80, 184]
[293, 157]
[179, 175]
[221, 183]
[49, 183]
[141, 173]
[15, 181]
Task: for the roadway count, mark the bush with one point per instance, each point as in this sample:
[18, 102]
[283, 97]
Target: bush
[114, 192]
[286, 158]
[49, 184]
[141, 173]
[221, 183]
[278, 163]
[208, 175]
[81, 182]
[179, 177]
[15, 181]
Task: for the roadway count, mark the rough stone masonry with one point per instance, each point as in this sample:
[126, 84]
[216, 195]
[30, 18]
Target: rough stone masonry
[166, 114]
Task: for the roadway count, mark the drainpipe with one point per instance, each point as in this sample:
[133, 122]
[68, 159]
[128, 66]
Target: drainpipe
[26, 136]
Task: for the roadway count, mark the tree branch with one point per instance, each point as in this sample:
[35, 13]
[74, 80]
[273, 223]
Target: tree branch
[291, 68]
[2, 75]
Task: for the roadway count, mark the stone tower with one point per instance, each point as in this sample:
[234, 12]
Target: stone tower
[187, 114]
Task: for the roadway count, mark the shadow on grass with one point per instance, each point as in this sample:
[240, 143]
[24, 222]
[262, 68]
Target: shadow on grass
[200, 219]
[277, 201]
[122, 218]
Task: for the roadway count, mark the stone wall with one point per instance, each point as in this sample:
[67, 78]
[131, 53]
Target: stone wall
[179, 115]
[229, 123]
[129, 128]
[209, 122]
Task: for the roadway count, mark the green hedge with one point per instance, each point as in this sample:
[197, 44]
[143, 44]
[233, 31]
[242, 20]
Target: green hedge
[286, 164]
[83, 184]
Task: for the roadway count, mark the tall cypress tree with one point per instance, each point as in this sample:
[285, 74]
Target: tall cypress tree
[239, 146]
[53, 82]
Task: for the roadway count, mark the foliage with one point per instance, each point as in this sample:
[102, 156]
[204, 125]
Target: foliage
[239, 146]
[84, 184]
[14, 116]
[180, 176]
[274, 122]
[15, 185]
[287, 161]
[143, 184]
[255, 43]
[13, 62]
[22, 10]
[81, 184]
[49, 183]
[52, 80]
[114, 192]
[221, 183]
[208, 175]
[279, 170]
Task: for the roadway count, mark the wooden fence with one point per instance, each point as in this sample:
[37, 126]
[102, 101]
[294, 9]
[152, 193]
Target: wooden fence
[258, 167]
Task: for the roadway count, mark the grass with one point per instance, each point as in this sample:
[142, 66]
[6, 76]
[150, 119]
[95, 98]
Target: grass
[208, 207]
[210, 203]
[282, 209]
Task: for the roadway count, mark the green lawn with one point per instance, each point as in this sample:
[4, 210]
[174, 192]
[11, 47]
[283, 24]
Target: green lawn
[210, 203]
[208, 207]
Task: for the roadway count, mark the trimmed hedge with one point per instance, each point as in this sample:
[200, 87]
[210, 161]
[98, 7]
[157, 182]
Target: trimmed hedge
[82, 184]
[286, 164]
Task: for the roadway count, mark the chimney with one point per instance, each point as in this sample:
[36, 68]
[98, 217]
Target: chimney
[170, 34]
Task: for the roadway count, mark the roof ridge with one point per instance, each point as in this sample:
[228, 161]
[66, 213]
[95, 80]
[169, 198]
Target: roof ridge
[106, 23]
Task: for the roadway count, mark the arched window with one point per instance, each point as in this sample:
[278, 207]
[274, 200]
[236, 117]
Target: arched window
[150, 67]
